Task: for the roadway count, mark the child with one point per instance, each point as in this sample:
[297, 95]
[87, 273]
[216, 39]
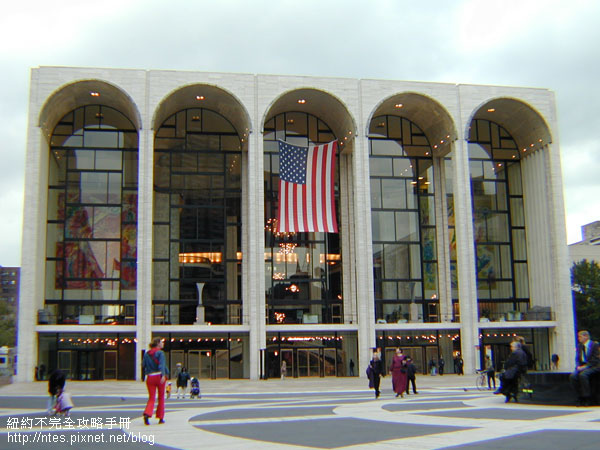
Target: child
[195, 391]
[64, 403]
[168, 389]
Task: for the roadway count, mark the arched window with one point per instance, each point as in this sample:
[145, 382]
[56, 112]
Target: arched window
[197, 220]
[403, 221]
[92, 218]
[498, 219]
[303, 271]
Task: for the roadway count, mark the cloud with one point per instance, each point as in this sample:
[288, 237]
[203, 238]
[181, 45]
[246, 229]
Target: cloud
[550, 44]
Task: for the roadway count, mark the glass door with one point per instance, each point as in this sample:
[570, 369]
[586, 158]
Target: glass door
[222, 363]
[193, 363]
[206, 366]
[431, 354]
[302, 362]
[64, 362]
[416, 353]
[176, 356]
[287, 355]
[329, 362]
[314, 363]
[110, 364]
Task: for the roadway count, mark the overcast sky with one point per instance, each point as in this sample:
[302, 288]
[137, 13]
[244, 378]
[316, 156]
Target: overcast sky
[550, 44]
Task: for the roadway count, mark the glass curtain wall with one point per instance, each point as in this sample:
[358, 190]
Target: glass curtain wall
[197, 256]
[303, 270]
[403, 222]
[498, 222]
[91, 245]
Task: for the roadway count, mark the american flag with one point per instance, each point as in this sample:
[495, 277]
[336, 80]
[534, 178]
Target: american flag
[306, 188]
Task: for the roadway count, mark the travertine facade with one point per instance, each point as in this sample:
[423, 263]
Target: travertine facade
[444, 113]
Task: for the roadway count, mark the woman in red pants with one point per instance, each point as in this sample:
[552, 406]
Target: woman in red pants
[155, 369]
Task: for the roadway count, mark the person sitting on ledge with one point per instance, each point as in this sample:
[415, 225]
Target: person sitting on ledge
[587, 364]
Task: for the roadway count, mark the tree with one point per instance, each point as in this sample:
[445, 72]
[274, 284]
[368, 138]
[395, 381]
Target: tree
[7, 326]
[585, 284]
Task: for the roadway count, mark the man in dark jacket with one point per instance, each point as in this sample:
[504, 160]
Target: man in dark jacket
[375, 372]
[514, 367]
[587, 364]
[411, 372]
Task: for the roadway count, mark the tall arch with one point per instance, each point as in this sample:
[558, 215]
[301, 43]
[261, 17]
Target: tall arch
[86, 92]
[308, 279]
[510, 146]
[410, 136]
[208, 97]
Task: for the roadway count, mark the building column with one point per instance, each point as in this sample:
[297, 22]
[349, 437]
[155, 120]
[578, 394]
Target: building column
[33, 248]
[144, 246]
[254, 255]
[563, 341]
[465, 252]
[363, 248]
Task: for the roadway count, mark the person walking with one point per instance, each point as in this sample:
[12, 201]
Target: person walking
[554, 360]
[177, 371]
[56, 384]
[441, 364]
[155, 370]
[283, 369]
[432, 367]
[514, 367]
[351, 368]
[411, 373]
[488, 366]
[398, 371]
[459, 364]
[375, 372]
[587, 364]
[182, 382]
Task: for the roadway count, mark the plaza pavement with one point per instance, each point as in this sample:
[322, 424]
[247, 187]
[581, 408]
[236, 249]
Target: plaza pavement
[330, 413]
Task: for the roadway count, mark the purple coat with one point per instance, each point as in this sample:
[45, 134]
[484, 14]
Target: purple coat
[399, 376]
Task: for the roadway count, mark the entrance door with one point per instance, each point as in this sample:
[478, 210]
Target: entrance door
[206, 366]
[176, 356]
[314, 363]
[416, 353]
[431, 353]
[302, 363]
[193, 363]
[329, 362]
[308, 362]
[222, 363]
[86, 365]
[64, 362]
[287, 355]
[110, 364]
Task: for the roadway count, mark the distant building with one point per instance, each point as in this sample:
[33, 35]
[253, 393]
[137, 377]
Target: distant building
[589, 247]
[7, 360]
[9, 281]
[151, 206]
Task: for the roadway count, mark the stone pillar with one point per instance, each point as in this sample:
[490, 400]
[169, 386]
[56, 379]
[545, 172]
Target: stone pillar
[144, 246]
[31, 292]
[254, 248]
[365, 300]
[465, 249]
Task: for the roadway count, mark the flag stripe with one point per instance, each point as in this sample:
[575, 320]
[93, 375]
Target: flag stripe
[309, 207]
[331, 188]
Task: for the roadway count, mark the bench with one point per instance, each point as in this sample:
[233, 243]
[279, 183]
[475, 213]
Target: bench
[554, 388]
